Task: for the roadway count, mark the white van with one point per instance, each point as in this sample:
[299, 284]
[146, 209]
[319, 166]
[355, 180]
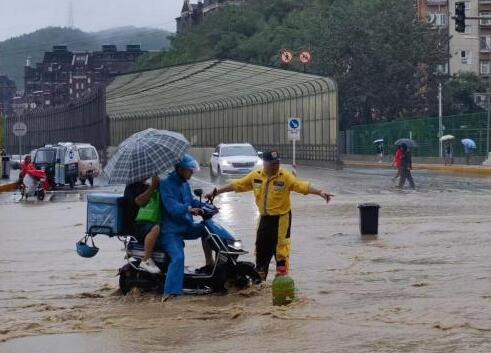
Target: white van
[89, 165]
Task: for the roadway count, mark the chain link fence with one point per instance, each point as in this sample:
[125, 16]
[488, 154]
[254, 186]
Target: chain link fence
[359, 139]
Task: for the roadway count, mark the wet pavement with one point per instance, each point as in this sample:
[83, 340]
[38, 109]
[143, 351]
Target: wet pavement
[423, 285]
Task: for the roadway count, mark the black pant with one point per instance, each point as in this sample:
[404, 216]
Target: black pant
[273, 239]
[406, 175]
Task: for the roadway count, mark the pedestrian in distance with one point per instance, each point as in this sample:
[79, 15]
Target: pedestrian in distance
[468, 152]
[405, 169]
[380, 152]
[448, 155]
[272, 187]
[397, 162]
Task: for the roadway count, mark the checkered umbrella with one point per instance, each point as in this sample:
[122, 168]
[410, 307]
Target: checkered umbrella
[145, 154]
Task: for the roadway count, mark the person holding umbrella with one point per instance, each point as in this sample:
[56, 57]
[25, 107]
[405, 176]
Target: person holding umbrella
[144, 155]
[138, 195]
[406, 167]
[447, 149]
[397, 162]
[379, 145]
[469, 148]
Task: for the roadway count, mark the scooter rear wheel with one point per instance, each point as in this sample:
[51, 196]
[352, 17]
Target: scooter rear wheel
[40, 195]
[246, 275]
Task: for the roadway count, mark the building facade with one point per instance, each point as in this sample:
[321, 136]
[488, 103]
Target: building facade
[469, 51]
[63, 75]
[8, 91]
[194, 14]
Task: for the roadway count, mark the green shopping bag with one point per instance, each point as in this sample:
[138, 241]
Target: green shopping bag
[150, 213]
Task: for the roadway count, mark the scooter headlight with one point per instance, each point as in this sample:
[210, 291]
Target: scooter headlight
[237, 245]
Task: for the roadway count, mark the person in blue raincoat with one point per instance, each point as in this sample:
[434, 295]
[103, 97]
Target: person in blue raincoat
[179, 207]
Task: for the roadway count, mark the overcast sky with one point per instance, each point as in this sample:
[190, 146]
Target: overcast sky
[23, 16]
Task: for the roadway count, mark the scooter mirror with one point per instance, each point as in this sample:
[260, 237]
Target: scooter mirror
[198, 192]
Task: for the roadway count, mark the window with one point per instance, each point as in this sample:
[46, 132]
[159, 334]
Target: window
[441, 20]
[44, 156]
[468, 28]
[82, 85]
[88, 80]
[442, 69]
[485, 67]
[231, 151]
[485, 21]
[485, 43]
[71, 91]
[467, 6]
[77, 86]
[87, 153]
[78, 95]
[466, 57]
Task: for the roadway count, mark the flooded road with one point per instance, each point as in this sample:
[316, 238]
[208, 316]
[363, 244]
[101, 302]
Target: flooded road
[424, 285]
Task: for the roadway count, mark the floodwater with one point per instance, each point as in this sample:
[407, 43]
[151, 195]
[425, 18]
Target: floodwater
[423, 285]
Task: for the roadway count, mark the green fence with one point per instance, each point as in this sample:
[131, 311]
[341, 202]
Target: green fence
[359, 140]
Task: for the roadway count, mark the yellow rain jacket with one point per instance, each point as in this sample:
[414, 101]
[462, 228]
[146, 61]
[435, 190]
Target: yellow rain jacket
[273, 195]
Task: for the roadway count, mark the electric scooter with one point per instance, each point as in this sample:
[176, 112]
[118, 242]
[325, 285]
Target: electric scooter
[228, 271]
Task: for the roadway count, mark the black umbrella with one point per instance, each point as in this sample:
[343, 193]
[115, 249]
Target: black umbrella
[407, 142]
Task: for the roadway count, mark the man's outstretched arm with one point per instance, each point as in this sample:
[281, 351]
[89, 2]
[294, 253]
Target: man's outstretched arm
[217, 191]
[324, 194]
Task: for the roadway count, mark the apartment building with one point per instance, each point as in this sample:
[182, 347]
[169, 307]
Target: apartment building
[469, 51]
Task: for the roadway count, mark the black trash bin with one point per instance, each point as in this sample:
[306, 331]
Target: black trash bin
[369, 218]
[5, 167]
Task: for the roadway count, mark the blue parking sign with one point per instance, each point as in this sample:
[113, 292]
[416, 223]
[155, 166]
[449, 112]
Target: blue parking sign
[294, 123]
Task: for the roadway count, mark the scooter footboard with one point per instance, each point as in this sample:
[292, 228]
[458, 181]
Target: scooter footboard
[137, 250]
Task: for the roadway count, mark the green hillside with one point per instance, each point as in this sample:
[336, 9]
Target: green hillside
[14, 51]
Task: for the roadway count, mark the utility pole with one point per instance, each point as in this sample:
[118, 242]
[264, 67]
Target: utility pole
[489, 117]
[440, 119]
[70, 15]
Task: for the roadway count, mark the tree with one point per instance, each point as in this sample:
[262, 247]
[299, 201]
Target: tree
[380, 54]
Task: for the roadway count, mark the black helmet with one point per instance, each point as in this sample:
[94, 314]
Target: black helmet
[271, 157]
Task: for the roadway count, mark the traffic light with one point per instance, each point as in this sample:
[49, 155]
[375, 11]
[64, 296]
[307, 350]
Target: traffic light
[460, 17]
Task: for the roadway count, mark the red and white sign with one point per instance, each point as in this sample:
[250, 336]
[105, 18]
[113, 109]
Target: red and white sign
[286, 56]
[305, 57]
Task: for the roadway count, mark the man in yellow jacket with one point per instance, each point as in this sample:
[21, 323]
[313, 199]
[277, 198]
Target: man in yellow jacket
[272, 186]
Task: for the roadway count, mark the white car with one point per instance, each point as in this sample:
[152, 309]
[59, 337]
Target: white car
[234, 160]
[89, 165]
